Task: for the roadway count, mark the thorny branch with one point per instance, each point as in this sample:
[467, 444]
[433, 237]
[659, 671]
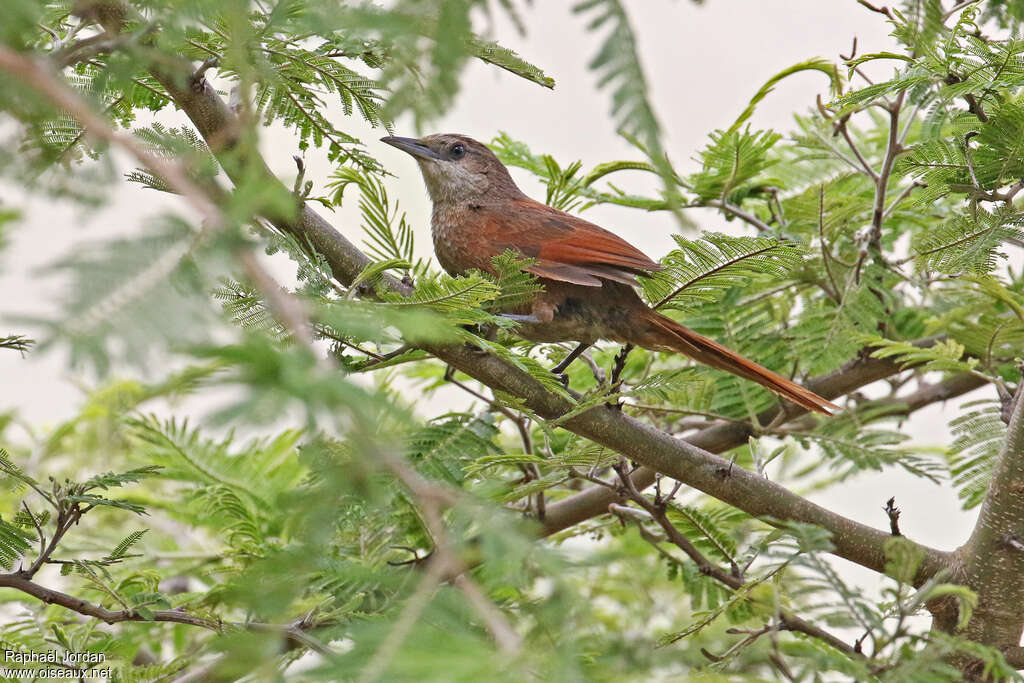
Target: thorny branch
[733, 578]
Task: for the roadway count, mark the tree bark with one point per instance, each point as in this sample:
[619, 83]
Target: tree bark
[993, 557]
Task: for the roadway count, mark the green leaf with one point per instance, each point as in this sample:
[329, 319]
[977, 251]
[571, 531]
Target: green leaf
[816, 64]
[14, 541]
[617, 64]
[978, 434]
[493, 53]
[698, 270]
[732, 159]
[944, 355]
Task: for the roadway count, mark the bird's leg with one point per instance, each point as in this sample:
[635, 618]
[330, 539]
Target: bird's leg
[559, 370]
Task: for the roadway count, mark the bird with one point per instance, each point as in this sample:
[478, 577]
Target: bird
[588, 274]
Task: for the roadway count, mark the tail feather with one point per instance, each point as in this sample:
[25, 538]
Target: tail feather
[665, 332]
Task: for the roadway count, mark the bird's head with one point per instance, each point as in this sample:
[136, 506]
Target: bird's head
[458, 169]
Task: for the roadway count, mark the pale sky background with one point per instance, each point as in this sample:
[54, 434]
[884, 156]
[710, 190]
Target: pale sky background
[702, 64]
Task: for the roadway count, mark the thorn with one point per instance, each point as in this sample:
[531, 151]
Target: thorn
[1013, 542]
[894, 516]
[713, 658]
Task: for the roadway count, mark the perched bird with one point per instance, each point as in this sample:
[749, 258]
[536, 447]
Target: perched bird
[588, 273]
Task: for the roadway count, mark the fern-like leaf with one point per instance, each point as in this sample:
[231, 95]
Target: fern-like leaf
[699, 269]
[978, 435]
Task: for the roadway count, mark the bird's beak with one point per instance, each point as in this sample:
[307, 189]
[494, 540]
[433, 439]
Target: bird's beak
[413, 147]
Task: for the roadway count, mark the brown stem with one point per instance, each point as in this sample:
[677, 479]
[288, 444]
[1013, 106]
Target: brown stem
[53, 597]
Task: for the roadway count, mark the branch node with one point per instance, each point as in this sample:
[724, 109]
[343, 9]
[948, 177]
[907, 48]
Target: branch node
[1009, 401]
[197, 81]
[1013, 542]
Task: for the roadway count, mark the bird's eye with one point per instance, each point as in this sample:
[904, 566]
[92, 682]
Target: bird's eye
[457, 151]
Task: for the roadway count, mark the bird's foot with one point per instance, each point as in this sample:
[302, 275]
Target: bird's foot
[614, 405]
[559, 370]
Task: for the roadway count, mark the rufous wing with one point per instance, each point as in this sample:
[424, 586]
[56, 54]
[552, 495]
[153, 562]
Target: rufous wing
[566, 248]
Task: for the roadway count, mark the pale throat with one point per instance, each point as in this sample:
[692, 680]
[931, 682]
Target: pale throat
[451, 183]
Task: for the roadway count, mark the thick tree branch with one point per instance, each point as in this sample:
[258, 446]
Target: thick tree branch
[727, 435]
[993, 558]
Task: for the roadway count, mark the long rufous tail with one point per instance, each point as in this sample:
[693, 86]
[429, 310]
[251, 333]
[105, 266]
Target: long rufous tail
[665, 332]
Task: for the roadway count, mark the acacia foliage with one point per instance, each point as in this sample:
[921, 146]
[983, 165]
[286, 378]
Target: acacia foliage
[278, 510]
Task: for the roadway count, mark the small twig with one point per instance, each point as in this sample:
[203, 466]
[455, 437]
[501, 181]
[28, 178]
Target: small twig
[957, 7]
[53, 34]
[379, 359]
[686, 411]
[910, 122]
[596, 371]
[881, 10]
[66, 518]
[894, 516]
[294, 634]
[346, 343]
[522, 424]
[901, 196]
[825, 112]
[826, 250]
[53, 597]
[858, 645]
[748, 218]
[288, 309]
[968, 160]
[299, 177]
[39, 529]
[843, 129]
